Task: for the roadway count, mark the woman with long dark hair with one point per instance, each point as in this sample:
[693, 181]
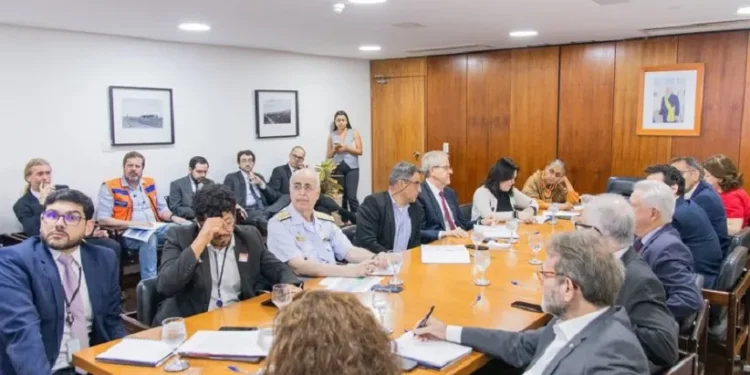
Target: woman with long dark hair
[498, 199]
[724, 177]
[345, 147]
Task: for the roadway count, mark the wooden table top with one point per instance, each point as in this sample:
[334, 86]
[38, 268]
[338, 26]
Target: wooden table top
[449, 287]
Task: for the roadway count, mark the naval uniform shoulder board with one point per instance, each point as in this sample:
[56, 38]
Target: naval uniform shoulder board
[282, 215]
[324, 217]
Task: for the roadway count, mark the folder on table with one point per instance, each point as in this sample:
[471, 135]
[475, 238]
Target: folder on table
[432, 354]
[136, 352]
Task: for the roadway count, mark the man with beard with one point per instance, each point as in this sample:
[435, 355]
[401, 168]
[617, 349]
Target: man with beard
[252, 192]
[588, 335]
[182, 190]
[60, 294]
[133, 201]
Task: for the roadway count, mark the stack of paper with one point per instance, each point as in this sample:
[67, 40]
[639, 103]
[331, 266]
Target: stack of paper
[142, 233]
[430, 354]
[224, 345]
[445, 254]
[136, 352]
[348, 284]
[494, 232]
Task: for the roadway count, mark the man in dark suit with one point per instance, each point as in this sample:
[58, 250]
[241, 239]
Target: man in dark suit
[642, 294]
[252, 192]
[588, 334]
[214, 263]
[60, 294]
[442, 215]
[391, 220]
[692, 223]
[700, 192]
[182, 190]
[660, 246]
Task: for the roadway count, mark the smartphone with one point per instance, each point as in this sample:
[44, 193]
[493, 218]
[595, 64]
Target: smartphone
[238, 329]
[527, 306]
[268, 303]
[408, 364]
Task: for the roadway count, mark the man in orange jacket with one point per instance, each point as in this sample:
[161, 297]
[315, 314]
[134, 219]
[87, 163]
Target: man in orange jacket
[132, 201]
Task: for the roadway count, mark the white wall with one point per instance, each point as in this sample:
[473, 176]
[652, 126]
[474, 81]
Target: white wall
[54, 104]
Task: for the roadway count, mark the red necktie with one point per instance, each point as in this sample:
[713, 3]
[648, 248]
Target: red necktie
[447, 212]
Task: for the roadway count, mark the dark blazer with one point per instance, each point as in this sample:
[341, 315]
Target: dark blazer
[376, 225]
[32, 310]
[605, 346]
[186, 282]
[672, 263]
[181, 197]
[706, 197]
[643, 297]
[237, 182]
[280, 177]
[697, 234]
[433, 222]
[28, 211]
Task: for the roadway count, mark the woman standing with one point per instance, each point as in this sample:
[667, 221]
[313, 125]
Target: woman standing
[723, 176]
[345, 147]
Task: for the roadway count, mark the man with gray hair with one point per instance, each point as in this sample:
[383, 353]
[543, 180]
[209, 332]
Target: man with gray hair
[588, 334]
[642, 294]
[391, 220]
[659, 244]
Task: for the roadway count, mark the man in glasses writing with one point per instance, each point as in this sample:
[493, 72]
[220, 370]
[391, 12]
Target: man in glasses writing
[60, 294]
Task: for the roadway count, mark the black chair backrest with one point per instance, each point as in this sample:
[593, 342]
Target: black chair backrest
[621, 185]
[742, 238]
[730, 272]
[466, 211]
[350, 231]
[688, 365]
[148, 300]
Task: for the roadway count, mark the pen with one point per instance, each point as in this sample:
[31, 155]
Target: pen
[237, 370]
[516, 283]
[423, 322]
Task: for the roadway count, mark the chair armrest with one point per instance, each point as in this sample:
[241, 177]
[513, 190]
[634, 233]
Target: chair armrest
[132, 325]
[716, 297]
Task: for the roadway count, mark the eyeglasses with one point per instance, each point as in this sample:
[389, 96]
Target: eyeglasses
[542, 274]
[446, 167]
[581, 226]
[556, 174]
[297, 157]
[306, 187]
[69, 218]
[412, 182]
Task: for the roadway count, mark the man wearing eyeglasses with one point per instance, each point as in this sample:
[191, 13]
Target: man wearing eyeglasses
[391, 220]
[310, 242]
[588, 334]
[60, 294]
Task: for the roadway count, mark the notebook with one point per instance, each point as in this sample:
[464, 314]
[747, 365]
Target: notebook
[446, 254]
[224, 345]
[431, 354]
[136, 352]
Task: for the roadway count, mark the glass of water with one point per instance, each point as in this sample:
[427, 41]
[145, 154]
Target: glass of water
[281, 295]
[512, 226]
[553, 209]
[395, 261]
[174, 333]
[477, 236]
[481, 263]
[535, 243]
[380, 304]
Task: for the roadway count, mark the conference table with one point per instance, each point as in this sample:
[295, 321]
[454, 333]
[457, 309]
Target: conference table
[449, 287]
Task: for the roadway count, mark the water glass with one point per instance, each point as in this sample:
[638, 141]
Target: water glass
[481, 263]
[281, 295]
[380, 304]
[173, 332]
[395, 261]
[476, 238]
[553, 209]
[512, 226]
[535, 243]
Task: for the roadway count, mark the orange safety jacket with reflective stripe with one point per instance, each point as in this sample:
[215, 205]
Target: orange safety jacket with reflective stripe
[122, 209]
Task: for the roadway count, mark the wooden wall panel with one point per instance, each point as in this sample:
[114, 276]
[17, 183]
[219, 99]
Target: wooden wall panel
[487, 116]
[533, 113]
[744, 161]
[415, 67]
[631, 153]
[446, 113]
[725, 57]
[587, 80]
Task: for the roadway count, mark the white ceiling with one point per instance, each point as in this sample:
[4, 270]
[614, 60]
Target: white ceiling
[311, 26]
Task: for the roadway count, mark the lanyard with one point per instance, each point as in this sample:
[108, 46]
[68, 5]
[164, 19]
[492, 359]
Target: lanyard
[220, 276]
[68, 315]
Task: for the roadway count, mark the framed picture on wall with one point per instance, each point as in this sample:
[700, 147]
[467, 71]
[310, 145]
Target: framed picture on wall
[670, 100]
[140, 116]
[276, 114]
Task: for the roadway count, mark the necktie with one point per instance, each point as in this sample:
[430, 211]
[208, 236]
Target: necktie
[72, 286]
[638, 246]
[447, 212]
[258, 200]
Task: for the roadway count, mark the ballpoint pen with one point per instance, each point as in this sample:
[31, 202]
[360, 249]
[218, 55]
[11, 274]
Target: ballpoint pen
[238, 370]
[423, 322]
[516, 283]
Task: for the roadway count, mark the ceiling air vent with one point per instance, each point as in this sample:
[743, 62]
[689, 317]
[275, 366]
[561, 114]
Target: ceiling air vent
[451, 49]
[697, 28]
[611, 2]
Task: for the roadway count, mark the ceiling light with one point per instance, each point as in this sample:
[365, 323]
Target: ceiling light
[366, 1]
[371, 48]
[743, 10]
[523, 33]
[189, 26]
[339, 7]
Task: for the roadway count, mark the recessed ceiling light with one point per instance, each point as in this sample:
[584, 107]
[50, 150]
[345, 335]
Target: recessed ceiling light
[366, 1]
[339, 7]
[523, 33]
[191, 26]
[370, 48]
[743, 10]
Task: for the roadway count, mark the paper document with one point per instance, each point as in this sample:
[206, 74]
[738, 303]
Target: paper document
[563, 214]
[433, 354]
[137, 352]
[496, 231]
[141, 233]
[493, 245]
[447, 254]
[218, 344]
[348, 284]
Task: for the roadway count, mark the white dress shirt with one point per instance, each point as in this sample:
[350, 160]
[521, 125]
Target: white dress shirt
[62, 358]
[691, 192]
[446, 221]
[621, 252]
[564, 332]
[230, 281]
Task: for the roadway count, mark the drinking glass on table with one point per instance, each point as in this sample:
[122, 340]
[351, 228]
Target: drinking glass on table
[380, 304]
[281, 295]
[174, 333]
[481, 263]
[535, 243]
[395, 261]
[553, 209]
[477, 236]
[512, 226]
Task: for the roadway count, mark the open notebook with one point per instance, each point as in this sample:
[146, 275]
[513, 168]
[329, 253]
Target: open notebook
[430, 354]
[136, 352]
[227, 345]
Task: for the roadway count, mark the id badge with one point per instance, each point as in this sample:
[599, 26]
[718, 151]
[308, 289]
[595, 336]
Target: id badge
[73, 346]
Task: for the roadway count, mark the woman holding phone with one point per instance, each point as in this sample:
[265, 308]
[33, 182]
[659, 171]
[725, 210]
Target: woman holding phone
[345, 147]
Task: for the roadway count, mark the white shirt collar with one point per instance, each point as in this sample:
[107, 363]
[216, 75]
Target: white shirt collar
[435, 191]
[36, 194]
[395, 204]
[76, 255]
[570, 328]
[621, 252]
[648, 235]
[689, 194]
